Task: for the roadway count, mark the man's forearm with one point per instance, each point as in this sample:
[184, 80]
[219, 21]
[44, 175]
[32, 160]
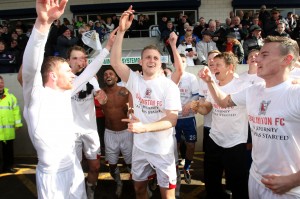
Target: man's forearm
[116, 51]
[121, 69]
[163, 124]
[176, 76]
[221, 98]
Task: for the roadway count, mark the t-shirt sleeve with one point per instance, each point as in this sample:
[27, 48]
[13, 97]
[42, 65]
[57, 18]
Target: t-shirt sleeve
[172, 101]
[131, 79]
[239, 98]
[195, 86]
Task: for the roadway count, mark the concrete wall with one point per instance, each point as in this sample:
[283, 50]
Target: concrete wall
[215, 9]
[23, 146]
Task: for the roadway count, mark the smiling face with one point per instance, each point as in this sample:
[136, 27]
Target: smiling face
[151, 63]
[110, 78]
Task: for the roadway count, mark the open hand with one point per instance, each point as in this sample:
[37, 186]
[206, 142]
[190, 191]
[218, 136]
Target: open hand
[126, 19]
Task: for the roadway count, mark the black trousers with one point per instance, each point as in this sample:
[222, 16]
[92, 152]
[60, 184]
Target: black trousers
[8, 154]
[206, 131]
[231, 160]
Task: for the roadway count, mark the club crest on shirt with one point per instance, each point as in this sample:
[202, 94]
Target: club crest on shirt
[148, 93]
[263, 107]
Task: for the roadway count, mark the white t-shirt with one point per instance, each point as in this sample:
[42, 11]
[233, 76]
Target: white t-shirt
[295, 73]
[189, 90]
[274, 117]
[250, 79]
[48, 112]
[203, 92]
[229, 125]
[84, 109]
[151, 99]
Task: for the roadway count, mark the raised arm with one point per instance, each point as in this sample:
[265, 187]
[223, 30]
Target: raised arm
[47, 12]
[94, 66]
[219, 96]
[176, 76]
[122, 70]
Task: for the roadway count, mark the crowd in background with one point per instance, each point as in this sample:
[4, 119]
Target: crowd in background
[239, 34]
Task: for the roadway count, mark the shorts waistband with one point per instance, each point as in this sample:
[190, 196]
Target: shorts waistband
[115, 132]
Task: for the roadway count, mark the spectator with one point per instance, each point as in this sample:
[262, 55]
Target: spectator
[100, 30]
[271, 24]
[280, 30]
[5, 34]
[253, 42]
[291, 21]
[162, 24]
[246, 20]
[11, 120]
[91, 24]
[79, 22]
[65, 41]
[14, 49]
[67, 23]
[109, 25]
[188, 49]
[296, 32]
[165, 36]
[264, 15]
[189, 29]
[227, 23]
[205, 46]
[233, 45]
[50, 48]
[22, 38]
[115, 20]
[199, 28]
[141, 26]
[237, 28]
[181, 23]
[14, 35]
[7, 59]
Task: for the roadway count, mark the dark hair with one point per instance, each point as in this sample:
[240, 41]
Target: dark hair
[50, 64]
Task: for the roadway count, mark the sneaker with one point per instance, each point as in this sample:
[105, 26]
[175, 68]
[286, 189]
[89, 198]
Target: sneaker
[90, 190]
[119, 190]
[187, 176]
[182, 162]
